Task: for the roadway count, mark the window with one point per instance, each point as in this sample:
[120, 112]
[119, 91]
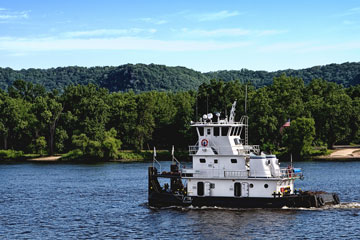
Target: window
[216, 131]
[266, 186]
[237, 141]
[224, 131]
[212, 185]
[200, 188]
[238, 132]
[237, 189]
[202, 160]
[201, 131]
[232, 131]
[233, 160]
[208, 131]
[215, 161]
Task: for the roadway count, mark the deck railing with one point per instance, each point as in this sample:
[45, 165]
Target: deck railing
[294, 173]
[247, 149]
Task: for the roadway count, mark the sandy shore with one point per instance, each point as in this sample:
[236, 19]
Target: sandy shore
[344, 154]
[347, 152]
[46, 159]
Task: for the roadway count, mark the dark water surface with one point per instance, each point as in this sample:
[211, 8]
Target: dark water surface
[109, 201]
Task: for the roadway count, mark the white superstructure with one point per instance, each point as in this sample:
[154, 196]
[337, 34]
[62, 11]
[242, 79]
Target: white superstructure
[225, 165]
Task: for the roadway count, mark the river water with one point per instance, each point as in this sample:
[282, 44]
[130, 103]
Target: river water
[109, 201]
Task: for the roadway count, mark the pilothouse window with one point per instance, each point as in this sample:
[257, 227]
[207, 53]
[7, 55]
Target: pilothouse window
[216, 131]
[224, 131]
[201, 131]
[202, 160]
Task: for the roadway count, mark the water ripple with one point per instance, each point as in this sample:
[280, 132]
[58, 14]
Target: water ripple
[109, 201]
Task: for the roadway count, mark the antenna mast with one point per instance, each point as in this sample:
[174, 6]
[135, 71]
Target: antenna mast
[246, 118]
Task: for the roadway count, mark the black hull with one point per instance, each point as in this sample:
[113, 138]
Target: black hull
[294, 201]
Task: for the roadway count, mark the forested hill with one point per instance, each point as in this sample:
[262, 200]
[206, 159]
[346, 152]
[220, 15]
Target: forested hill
[141, 77]
[347, 74]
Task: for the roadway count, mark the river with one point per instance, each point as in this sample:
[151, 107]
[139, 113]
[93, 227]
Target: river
[109, 201]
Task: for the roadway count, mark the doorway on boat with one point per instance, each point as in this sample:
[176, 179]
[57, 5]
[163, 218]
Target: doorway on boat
[237, 189]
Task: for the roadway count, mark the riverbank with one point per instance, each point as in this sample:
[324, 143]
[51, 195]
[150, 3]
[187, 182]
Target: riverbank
[126, 156]
[342, 153]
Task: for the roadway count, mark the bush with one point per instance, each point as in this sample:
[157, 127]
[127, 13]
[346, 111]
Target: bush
[72, 155]
[10, 154]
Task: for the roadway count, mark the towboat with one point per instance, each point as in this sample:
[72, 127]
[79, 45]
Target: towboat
[228, 172]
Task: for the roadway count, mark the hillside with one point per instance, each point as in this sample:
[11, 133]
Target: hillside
[141, 77]
[347, 74]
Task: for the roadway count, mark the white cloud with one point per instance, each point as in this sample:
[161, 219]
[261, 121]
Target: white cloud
[228, 32]
[216, 15]
[350, 12]
[108, 32]
[216, 32]
[7, 15]
[153, 21]
[347, 22]
[309, 47]
[121, 43]
[3, 9]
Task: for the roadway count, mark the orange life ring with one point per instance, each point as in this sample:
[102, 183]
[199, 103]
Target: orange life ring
[204, 142]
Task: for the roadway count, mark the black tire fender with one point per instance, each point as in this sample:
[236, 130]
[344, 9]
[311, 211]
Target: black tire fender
[336, 198]
[321, 201]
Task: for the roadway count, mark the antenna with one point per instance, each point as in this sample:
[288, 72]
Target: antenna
[207, 103]
[232, 113]
[245, 99]
[196, 111]
[246, 119]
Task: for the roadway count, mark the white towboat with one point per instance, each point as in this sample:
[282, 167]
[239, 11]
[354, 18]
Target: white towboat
[228, 172]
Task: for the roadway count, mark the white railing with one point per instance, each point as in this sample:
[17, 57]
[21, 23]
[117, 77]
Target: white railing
[291, 173]
[220, 173]
[232, 174]
[247, 149]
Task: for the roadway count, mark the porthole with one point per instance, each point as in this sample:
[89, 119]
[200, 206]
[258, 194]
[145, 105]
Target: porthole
[251, 185]
[266, 186]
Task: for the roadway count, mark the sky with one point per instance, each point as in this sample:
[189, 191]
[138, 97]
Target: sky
[202, 35]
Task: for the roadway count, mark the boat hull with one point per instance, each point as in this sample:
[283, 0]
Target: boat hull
[176, 196]
[304, 200]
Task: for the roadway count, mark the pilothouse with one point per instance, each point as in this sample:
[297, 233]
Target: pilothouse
[228, 172]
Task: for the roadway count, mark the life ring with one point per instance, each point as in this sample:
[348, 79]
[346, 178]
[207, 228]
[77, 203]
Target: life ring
[321, 201]
[204, 142]
[336, 198]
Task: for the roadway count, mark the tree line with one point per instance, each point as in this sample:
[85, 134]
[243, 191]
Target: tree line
[142, 77]
[90, 121]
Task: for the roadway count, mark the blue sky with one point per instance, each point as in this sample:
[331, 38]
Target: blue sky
[202, 35]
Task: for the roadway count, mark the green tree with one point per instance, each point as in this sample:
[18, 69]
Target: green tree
[300, 136]
[331, 108]
[145, 119]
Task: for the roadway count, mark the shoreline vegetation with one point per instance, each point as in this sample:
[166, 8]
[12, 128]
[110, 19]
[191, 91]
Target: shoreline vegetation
[341, 153]
[89, 123]
[126, 156]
